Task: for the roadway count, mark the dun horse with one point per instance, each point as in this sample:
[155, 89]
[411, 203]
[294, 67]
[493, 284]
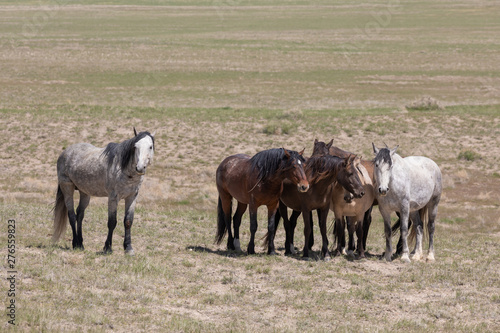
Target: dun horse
[410, 185]
[356, 210]
[255, 182]
[116, 172]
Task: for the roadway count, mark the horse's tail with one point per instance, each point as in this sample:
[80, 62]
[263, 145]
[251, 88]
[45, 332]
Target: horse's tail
[221, 222]
[60, 216]
[412, 236]
[265, 239]
[395, 227]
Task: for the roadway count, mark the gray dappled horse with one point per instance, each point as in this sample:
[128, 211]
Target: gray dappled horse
[115, 171]
[411, 186]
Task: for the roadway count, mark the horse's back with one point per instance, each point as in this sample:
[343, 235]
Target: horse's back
[232, 176]
[84, 166]
[425, 177]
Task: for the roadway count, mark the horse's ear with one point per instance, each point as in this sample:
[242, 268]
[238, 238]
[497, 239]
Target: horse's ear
[153, 134]
[393, 151]
[386, 146]
[348, 160]
[287, 154]
[316, 141]
[329, 144]
[302, 151]
[135, 132]
[375, 149]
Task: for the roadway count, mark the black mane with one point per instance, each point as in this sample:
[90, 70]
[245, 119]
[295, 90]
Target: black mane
[384, 155]
[318, 166]
[268, 162]
[124, 151]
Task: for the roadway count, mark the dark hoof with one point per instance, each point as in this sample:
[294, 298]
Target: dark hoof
[251, 250]
[78, 247]
[107, 250]
[272, 253]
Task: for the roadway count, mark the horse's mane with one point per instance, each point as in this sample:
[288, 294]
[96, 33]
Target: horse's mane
[384, 155]
[317, 166]
[268, 162]
[124, 151]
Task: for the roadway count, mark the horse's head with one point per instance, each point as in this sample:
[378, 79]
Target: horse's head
[383, 167]
[293, 165]
[321, 148]
[144, 151]
[349, 176]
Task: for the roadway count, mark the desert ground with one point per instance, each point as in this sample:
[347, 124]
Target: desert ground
[216, 78]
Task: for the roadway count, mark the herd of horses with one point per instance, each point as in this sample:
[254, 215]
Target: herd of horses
[278, 178]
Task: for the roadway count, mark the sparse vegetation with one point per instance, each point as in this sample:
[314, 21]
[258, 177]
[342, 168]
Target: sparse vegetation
[468, 155]
[210, 80]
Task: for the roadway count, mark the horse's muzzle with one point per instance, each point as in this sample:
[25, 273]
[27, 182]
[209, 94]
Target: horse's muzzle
[383, 191]
[140, 172]
[302, 188]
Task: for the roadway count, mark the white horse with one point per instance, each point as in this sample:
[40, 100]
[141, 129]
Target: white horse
[410, 186]
[115, 172]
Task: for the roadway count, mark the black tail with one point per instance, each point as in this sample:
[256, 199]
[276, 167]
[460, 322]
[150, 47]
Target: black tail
[60, 216]
[221, 223]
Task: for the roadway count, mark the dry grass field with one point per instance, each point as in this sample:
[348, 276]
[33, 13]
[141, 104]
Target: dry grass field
[213, 78]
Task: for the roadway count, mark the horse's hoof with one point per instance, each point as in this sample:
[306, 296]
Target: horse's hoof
[272, 253]
[130, 252]
[237, 246]
[350, 255]
[416, 257]
[250, 251]
[327, 258]
[430, 257]
[107, 250]
[405, 258]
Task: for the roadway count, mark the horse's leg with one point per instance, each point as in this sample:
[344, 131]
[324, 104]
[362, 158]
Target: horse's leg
[367, 220]
[240, 210]
[360, 235]
[405, 214]
[386, 215]
[226, 201]
[307, 231]
[253, 229]
[283, 210]
[339, 233]
[351, 228]
[112, 207]
[311, 235]
[293, 225]
[127, 222]
[271, 228]
[322, 215]
[68, 189]
[417, 228]
[80, 212]
[432, 213]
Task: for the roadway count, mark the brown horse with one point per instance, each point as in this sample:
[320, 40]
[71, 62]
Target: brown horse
[357, 210]
[255, 182]
[322, 172]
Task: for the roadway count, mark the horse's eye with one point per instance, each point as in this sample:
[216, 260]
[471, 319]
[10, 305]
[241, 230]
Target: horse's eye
[151, 147]
[376, 165]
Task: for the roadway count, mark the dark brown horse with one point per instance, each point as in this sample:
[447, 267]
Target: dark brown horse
[322, 172]
[255, 182]
[357, 211]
